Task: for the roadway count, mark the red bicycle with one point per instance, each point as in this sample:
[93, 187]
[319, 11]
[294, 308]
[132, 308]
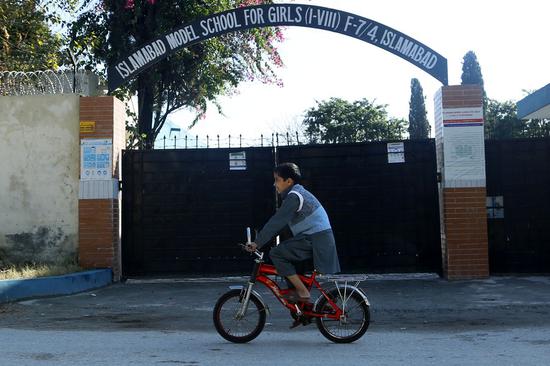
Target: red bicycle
[342, 312]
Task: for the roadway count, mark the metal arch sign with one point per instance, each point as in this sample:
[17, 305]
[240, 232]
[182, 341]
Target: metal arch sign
[261, 16]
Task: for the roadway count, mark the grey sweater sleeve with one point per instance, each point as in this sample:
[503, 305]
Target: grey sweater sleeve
[278, 221]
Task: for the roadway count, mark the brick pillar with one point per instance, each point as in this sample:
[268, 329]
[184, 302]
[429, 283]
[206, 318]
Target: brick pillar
[460, 149]
[102, 138]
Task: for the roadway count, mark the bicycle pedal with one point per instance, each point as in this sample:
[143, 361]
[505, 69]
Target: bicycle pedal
[295, 323]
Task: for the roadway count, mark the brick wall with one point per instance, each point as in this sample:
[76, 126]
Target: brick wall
[456, 96]
[466, 233]
[99, 219]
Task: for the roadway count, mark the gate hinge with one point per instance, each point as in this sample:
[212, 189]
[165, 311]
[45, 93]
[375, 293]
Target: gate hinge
[120, 185]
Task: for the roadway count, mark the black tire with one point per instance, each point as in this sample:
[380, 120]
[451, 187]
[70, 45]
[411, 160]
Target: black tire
[356, 309]
[227, 306]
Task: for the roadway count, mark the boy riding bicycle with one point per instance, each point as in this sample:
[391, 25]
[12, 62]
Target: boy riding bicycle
[309, 223]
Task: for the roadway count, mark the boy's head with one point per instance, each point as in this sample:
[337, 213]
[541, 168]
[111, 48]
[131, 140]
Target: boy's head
[286, 175]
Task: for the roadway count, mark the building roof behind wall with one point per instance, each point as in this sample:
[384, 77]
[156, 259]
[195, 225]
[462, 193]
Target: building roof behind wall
[536, 105]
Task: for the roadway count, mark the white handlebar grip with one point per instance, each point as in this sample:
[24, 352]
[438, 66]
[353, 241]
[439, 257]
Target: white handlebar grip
[248, 237]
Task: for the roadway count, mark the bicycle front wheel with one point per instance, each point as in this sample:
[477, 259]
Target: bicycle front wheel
[353, 323]
[235, 328]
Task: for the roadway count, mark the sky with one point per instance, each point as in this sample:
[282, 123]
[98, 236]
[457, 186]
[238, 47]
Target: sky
[510, 40]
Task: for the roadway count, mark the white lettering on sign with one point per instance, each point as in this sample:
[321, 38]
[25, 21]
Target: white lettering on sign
[181, 37]
[253, 16]
[408, 48]
[220, 23]
[141, 57]
[285, 14]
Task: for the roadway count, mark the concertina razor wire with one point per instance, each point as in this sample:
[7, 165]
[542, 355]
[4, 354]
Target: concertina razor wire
[18, 83]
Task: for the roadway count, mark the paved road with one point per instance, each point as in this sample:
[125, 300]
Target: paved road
[424, 321]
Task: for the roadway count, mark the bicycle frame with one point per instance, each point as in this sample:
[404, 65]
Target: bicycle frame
[260, 274]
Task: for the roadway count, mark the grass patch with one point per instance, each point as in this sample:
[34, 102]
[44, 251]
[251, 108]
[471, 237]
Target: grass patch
[37, 270]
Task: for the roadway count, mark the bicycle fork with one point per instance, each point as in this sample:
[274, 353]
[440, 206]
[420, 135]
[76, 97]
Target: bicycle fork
[244, 302]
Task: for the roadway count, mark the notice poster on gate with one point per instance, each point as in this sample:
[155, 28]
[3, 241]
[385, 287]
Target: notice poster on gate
[396, 152]
[95, 159]
[237, 160]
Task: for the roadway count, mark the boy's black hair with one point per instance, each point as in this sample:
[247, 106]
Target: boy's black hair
[288, 170]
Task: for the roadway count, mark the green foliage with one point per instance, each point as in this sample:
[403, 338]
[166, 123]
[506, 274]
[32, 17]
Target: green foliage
[26, 41]
[191, 78]
[339, 121]
[537, 128]
[471, 71]
[419, 127]
[501, 122]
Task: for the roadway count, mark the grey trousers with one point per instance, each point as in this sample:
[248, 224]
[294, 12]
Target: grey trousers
[290, 251]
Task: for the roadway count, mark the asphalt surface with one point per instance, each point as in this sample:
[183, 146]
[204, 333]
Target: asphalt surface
[415, 320]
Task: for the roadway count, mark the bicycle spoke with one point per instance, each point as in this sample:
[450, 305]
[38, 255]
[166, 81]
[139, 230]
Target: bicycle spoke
[235, 326]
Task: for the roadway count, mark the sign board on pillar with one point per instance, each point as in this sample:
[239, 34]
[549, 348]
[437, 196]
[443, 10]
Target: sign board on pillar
[461, 132]
[96, 156]
[96, 170]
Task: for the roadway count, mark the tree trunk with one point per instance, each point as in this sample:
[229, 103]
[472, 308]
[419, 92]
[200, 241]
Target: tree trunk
[145, 111]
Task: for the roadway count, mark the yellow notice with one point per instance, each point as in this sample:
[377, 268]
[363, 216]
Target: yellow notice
[87, 126]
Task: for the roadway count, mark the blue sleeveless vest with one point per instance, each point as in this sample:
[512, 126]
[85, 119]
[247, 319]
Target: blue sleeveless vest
[311, 217]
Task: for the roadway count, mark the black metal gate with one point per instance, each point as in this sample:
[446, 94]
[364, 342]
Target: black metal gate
[385, 216]
[184, 210]
[518, 205]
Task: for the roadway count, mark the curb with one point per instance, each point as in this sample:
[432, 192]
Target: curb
[15, 290]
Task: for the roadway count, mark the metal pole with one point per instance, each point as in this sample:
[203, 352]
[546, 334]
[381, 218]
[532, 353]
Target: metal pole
[262, 140]
[165, 142]
[207, 141]
[186, 141]
[196, 141]
[174, 141]
[229, 140]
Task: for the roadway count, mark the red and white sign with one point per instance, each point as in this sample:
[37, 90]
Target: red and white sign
[459, 117]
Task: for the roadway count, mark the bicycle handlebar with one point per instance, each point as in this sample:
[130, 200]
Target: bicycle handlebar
[256, 252]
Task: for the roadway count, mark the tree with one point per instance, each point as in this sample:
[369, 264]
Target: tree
[419, 127]
[537, 128]
[189, 79]
[26, 41]
[340, 121]
[501, 122]
[471, 71]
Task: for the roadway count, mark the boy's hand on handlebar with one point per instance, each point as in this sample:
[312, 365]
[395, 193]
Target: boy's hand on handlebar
[251, 247]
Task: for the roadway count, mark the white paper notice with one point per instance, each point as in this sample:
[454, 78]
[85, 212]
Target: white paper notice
[396, 152]
[237, 161]
[464, 154]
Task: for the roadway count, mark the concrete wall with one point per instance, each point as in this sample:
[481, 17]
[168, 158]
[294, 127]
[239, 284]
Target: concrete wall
[39, 178]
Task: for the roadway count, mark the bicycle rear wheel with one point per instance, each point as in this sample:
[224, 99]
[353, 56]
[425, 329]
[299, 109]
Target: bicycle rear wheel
[233, 328]
[353, 324]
